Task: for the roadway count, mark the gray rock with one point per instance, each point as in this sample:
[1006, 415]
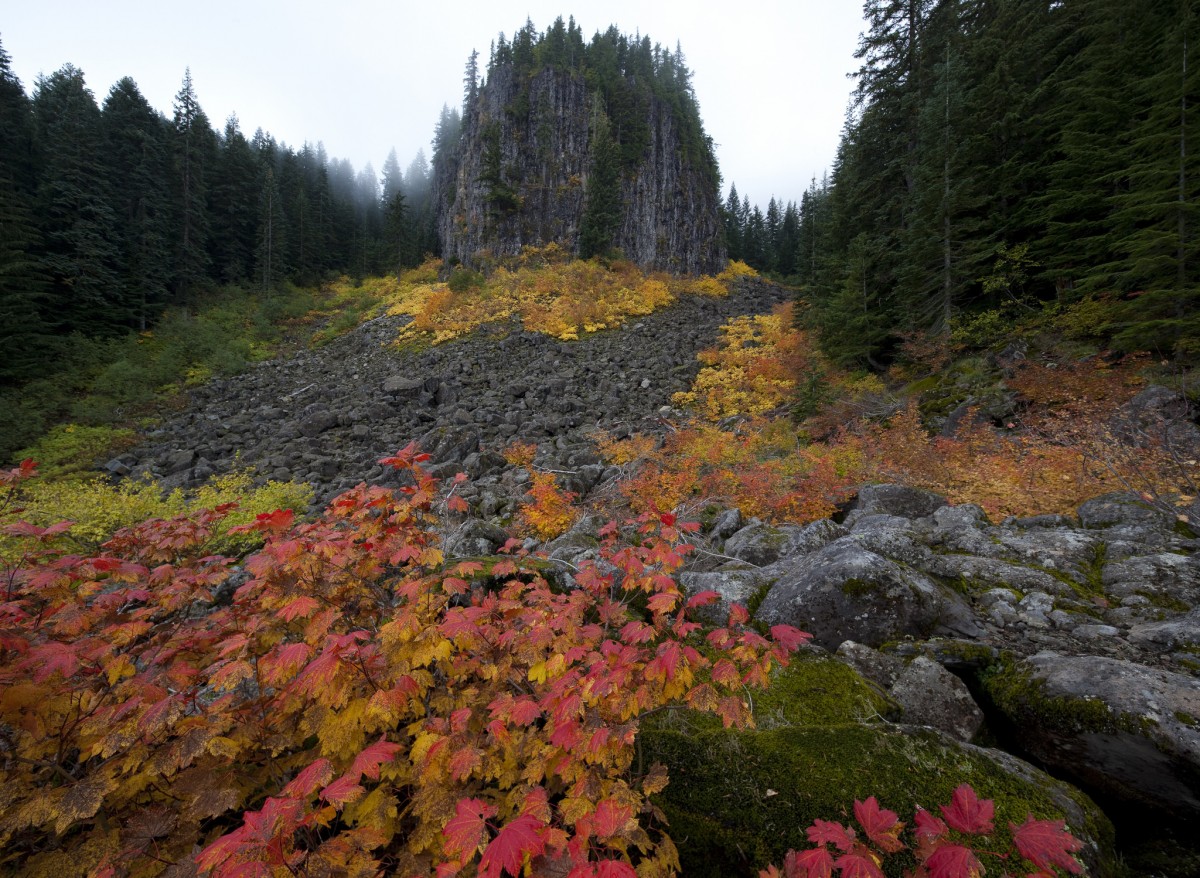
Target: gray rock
[1123, 729]
[726, 524]
[1072, 553]
[932, 696]
[1121, 508]
[733, 586]
[473, 538]
[1180, 633]
[402, 386]
[1175, 577]
[448, 443]
[844, 592]
[317, 421]
[897, 500]
[178, 461]
[579, 543]
[880, 668]
[761, 544]
[117, 467]
[1096, 632]
[963, 516]
[985, 572]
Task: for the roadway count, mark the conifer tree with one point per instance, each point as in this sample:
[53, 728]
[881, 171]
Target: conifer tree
[234, 207]
[602, 211]
[135, 150]
[194, 149]
[24, 335]
[73, 206]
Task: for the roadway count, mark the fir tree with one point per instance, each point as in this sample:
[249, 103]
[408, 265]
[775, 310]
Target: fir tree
[602, 211]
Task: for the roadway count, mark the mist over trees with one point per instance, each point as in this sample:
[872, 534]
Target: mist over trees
[111, 212]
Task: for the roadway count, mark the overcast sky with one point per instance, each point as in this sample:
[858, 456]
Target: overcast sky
[364, 77]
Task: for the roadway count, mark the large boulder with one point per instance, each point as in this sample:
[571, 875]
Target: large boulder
[1124, 730]
[1121, 508]
[733, 586]
[738, 800]
[760, 544]
[898, 500]
[926, 693]
[845, 592]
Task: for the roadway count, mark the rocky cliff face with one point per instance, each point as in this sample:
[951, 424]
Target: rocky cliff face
[525, 160]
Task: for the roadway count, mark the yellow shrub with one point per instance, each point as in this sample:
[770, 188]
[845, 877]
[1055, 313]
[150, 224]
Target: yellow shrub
[99, 509]
[735, 269]
[547, 290]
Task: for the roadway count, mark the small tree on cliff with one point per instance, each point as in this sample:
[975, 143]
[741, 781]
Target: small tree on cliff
[602, 214]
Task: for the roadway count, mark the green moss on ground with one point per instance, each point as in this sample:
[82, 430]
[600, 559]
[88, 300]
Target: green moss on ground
[739, 800]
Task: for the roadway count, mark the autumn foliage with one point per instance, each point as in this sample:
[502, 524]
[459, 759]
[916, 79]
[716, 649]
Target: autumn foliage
[954, 845]
[546, 292]
[345, 701]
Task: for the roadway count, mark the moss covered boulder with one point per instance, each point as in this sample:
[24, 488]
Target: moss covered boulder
[1129, 732]
[846, 592]
[739, 800]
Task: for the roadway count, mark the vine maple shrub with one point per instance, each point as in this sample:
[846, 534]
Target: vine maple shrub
[346, 701]
[945, 847]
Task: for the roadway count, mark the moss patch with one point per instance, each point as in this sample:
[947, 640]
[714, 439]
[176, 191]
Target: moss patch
[739, 800]
[858, 587]
[1023, 699]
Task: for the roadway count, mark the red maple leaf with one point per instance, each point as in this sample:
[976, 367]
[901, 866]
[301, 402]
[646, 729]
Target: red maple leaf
[858, 865]
[609, 817]
[929, 826]
[1047, 843]
[614, 869]
[343, 791]
[703, 599]
[826, 832]
[812, 863]
[953, 861]
[518, 839]
[880, 825]
[309, 780]
[968, 813]
[369, 760]
[788, 637]
[466, 830]
[298, 608]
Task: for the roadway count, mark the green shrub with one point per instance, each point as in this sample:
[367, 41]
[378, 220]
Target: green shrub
[71, 449]
[99, 509]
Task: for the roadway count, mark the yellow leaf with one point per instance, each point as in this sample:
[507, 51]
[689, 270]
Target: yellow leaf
[222, 746]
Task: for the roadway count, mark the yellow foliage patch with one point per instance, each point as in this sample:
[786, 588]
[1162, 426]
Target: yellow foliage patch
[99, 509]
[545, 289]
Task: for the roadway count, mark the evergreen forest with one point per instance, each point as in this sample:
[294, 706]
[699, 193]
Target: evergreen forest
[999, 158]
[113, 212]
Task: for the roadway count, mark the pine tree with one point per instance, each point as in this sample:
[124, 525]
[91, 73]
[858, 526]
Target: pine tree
[135, 151]
[602, 210]
[24, 335]
[391, 179]
[233, 206]
[730, 217]
[194, 150]
[272, 238]
[74, 209]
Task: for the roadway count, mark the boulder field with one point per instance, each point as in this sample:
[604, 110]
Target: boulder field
[1045, 660]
